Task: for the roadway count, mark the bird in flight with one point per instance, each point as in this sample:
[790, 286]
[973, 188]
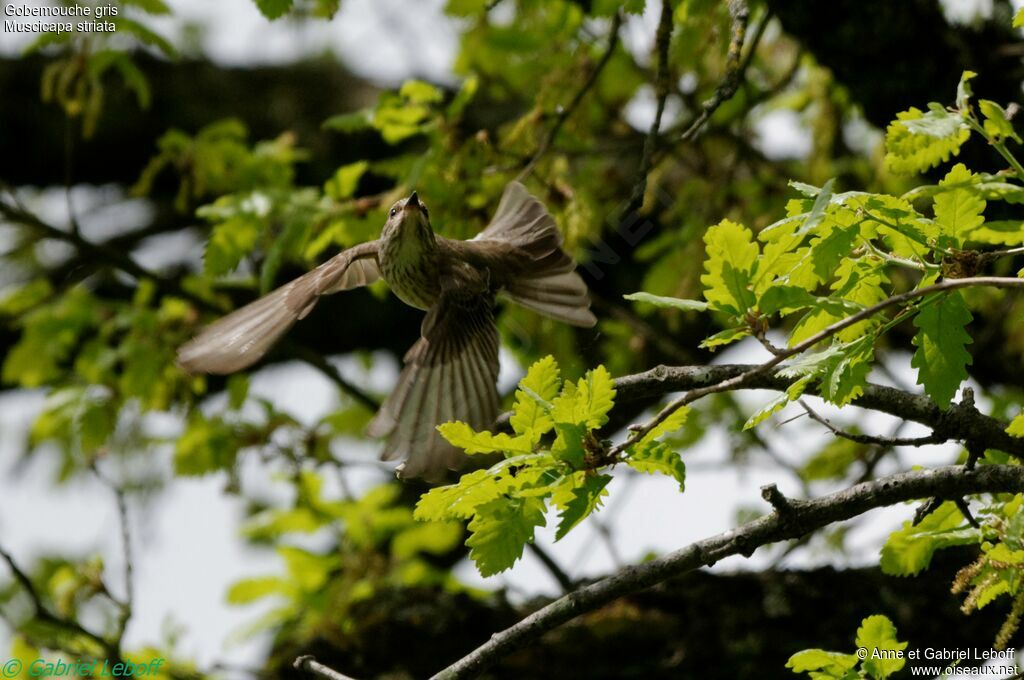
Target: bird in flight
[451, 372]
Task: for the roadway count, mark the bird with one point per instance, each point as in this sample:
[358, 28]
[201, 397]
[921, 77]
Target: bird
[451, 372]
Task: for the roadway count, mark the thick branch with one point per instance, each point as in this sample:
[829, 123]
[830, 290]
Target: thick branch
[959, 421]
[801, 518]
[745, 379]
[308, 664]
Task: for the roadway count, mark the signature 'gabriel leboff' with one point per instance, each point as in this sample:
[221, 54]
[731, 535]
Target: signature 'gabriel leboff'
[452, 370]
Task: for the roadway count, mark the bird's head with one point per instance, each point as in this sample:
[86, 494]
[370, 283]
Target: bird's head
[409, 220]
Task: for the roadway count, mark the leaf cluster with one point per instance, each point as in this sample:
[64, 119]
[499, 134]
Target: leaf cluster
[554, 459]
[880, 655]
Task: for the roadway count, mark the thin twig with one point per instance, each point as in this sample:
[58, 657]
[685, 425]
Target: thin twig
[965, 510]
[128, 605]
[566, 111]
[662, 40]
[122, 261]
[24, 581]
[800, 517]
[43, 614]
[564, 580]
[317, 361]
[734, 69]
[987, 257]
[872, 460]
[1004, 252]
[754, 42]
[69, 156]
[872, 439]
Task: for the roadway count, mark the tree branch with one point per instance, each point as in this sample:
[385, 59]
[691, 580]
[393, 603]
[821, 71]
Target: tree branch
[565, 581]
[308, 664]
[959, 421]
[566, 111]
[114, 257]
[799, 518]
[662, 40]
[127, 605]
[871, 439]
[19, 215]
[317, 361]
[43, 614]
[734, 67]
[744, 379]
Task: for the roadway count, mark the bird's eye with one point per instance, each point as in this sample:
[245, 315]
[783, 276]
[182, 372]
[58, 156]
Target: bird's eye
[394, 211]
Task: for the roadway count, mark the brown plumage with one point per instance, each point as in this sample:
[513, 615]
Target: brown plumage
[452, 370]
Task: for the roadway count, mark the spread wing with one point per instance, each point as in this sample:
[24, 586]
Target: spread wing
[450, 374]
[241, 338]
[542, 275]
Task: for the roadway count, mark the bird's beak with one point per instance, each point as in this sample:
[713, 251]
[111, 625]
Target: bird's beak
[413, 201]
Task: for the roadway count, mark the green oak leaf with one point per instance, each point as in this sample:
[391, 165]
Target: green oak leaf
[531, 415]
[587, 402]
[460, 500]
[729, 267]
[941, 358]
[909, 550]
[917, 140]
[828, 664]
[959, 211]
[657, 457]
[670, 302]
[1016, 426]
[463, 436]
[585, 500]
[997, 123]
[499, 531]
[877, 634]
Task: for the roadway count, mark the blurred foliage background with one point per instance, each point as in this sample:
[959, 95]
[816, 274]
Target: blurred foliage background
[274, 168]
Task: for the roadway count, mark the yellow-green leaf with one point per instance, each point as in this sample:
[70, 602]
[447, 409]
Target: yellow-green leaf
[587, 402]
[658, 457]
[942, 358]
[462, 435]
[959, 211]
[531, 415]
[877, 634]
[908, 551]
[729, 267]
